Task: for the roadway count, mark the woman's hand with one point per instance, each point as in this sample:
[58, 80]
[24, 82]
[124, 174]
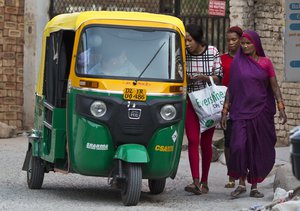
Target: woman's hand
[205, 78]
[224, 121]
[225, 111]
[278, 96]
[282, 116]
[197, 76]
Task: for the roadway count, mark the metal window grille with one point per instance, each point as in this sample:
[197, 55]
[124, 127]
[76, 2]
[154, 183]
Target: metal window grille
[69, 6]
[189, 11]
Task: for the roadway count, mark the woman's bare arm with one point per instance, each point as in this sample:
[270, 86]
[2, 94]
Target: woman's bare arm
[278, 97]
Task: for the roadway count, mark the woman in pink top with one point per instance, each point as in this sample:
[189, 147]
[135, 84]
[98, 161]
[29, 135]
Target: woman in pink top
[250, 102]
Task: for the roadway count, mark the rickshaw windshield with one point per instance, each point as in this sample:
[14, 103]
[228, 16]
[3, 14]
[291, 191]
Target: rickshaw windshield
[143, 53]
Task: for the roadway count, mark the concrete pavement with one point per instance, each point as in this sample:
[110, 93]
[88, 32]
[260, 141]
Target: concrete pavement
[282, 170]
[14, 194]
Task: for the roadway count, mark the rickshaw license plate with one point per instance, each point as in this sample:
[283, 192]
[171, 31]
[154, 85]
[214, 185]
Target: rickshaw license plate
[134, 94]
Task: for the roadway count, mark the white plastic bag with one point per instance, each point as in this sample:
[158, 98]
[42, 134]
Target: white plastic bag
[208, 104]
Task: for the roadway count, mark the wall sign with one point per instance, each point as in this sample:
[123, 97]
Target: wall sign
[292, 40]
[217, 7]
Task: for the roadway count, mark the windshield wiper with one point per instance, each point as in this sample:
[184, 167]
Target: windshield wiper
[136, 80]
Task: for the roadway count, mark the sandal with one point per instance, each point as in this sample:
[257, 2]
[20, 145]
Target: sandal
[204, 187]
[192, 188]
[256, 194]
[238, 191]
[230, 184]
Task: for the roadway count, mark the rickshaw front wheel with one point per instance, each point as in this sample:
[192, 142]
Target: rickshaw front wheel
[157, 186]
[35, 172]
[132, 184]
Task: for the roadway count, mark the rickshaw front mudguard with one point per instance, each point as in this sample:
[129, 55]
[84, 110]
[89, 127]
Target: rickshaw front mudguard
[164, 151]
[32, 150]
[26, 161]
[132, 153]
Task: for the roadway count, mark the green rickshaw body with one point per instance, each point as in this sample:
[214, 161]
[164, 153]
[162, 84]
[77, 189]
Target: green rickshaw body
[92, 149]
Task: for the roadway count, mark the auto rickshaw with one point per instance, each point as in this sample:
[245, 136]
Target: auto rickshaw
[110, 100]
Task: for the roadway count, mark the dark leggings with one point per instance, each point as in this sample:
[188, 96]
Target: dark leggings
[227, 133]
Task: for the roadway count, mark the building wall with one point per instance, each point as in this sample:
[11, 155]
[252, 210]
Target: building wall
[11, 61]
[267, 18]
[35, 17]
[21, 27]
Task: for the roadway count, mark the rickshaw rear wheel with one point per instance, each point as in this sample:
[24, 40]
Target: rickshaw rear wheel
[35, 172]
[157, 186]
[132, 184]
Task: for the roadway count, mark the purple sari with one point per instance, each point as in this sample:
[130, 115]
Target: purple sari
[252, 110]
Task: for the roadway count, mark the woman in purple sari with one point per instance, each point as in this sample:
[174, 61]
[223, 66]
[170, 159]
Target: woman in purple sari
[250, 102]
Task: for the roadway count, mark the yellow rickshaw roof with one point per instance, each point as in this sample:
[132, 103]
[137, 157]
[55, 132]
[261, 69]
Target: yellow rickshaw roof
[72, 21]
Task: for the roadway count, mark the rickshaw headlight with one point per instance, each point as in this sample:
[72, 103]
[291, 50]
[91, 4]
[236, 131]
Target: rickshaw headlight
[98, 108]
[168, 112]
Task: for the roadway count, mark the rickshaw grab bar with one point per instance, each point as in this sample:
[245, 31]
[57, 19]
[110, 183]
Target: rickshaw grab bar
[47, 105]
[49, 126]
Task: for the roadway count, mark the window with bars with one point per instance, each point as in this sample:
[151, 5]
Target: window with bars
[175, 7]
[189, 11]
[69, 6]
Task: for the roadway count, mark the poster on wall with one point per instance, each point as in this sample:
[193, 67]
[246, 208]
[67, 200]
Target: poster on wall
[292, 41]
[217, 7]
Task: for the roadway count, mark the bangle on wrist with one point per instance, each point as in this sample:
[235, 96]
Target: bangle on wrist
[280, 105]
[226, 106]
[225, 111]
